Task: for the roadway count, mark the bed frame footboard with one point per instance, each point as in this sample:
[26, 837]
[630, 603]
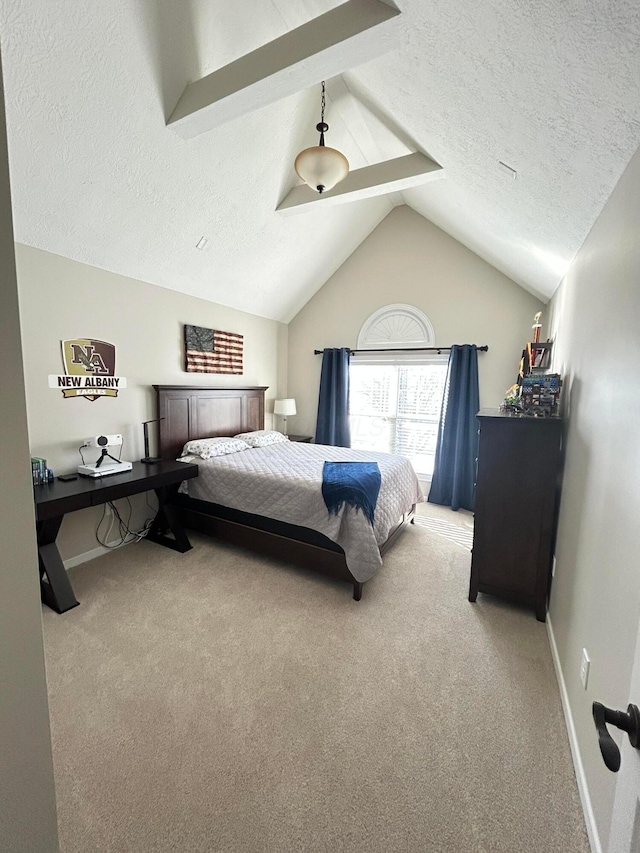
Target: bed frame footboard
[301, 546]
[305, 548]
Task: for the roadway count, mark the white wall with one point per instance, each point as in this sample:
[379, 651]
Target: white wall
[27, 797]
[408, 259]
[63, 299]
[595, 602]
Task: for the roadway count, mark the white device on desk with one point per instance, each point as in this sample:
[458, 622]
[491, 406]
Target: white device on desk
[106, 463]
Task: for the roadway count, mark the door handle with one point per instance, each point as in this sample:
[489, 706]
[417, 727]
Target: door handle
[629, 723]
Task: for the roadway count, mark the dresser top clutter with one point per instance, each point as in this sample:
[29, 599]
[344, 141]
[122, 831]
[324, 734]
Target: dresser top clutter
[518, 416]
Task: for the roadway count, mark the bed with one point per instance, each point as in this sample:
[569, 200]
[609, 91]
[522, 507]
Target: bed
[234, 492]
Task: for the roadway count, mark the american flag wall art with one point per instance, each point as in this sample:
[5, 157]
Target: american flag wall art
[212, 351]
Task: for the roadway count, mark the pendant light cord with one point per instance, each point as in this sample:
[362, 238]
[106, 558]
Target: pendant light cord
[322, 126]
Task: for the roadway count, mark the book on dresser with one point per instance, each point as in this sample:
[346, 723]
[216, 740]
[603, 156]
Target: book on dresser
[517, 497]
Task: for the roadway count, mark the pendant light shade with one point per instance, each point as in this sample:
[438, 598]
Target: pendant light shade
[321, 167]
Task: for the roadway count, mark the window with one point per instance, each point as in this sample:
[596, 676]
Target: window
[395, 391]
[395, 408]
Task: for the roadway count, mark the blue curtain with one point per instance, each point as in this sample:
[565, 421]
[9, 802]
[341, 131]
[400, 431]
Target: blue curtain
[333, 404]
[454, 471]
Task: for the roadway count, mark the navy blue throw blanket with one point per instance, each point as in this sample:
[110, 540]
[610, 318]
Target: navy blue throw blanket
[355, 483]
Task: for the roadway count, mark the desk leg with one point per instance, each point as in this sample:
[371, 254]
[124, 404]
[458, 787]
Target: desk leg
[167, 519]
[56, 592]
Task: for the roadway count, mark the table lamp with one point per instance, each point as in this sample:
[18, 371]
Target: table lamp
[284, 408]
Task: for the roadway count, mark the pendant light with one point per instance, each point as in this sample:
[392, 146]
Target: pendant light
[321, 167]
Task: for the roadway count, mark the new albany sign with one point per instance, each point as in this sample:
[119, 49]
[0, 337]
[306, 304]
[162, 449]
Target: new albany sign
[90, 368]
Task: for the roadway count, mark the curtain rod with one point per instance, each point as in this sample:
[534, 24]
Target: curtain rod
[439, 350]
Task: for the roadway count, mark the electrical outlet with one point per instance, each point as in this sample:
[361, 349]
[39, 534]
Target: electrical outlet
[553, 567]
[584, 668]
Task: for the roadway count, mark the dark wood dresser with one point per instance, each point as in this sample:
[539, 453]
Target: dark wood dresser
[517, 493]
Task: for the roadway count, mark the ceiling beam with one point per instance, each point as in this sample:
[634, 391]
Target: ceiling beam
[347, 36]
[357, 118]
[379, 179]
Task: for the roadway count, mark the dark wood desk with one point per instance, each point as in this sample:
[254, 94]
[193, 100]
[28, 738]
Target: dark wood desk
[54, 500]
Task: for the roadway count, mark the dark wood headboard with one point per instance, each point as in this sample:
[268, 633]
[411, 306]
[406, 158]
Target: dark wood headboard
[191, 412]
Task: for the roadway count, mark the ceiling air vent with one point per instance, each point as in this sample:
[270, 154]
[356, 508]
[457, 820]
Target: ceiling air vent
[508, 170]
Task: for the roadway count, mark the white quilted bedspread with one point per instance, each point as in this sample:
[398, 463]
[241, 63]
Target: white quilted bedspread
[283, 481]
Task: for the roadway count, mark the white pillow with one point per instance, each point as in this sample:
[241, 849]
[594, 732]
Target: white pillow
[207, 448]
[262, 437]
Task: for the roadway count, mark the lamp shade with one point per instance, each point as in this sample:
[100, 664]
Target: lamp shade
[321, 167]
[284, 407]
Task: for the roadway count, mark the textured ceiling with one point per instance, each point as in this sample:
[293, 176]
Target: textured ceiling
[552, 89]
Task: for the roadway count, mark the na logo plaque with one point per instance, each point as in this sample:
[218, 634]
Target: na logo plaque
[89, 370]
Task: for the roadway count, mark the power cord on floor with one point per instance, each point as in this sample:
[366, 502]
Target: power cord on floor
[125, 534]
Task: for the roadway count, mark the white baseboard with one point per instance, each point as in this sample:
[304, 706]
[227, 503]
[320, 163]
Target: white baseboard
[585, 799]
[88, 555]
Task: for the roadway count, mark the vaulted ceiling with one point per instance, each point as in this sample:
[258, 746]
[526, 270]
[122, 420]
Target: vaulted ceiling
[551, 89]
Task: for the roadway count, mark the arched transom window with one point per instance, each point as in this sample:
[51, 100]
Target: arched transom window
[396, 327]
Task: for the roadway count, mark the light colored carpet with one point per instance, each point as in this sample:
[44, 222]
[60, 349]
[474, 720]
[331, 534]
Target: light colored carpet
[214, 701]
[454, 532]
[455, 526]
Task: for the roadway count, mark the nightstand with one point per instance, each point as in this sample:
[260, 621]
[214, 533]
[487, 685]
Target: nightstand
[304, 438]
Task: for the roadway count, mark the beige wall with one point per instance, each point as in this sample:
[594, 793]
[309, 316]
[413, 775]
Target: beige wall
[595, 601]
[62, 299]
[409, 260]
[27, 797]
